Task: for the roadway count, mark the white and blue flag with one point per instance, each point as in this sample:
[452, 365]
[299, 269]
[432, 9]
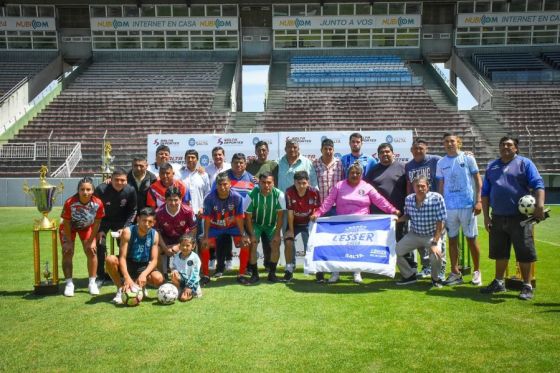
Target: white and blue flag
[349, 243]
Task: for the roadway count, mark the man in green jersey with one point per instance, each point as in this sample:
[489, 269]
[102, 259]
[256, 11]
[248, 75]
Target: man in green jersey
[264, 216]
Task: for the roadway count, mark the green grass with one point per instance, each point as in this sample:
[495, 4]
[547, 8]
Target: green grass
[298, 327]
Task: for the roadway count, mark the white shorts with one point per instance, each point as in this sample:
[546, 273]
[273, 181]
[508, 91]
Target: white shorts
[464, 218]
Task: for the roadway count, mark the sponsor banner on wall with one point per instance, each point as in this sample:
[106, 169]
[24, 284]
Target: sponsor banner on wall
[27, 24]
[231, 142]
[309, 143]
[346, 22]
[164, 24]
[508, 19]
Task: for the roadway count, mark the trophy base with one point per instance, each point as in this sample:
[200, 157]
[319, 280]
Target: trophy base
[46, 289]
[515, 283]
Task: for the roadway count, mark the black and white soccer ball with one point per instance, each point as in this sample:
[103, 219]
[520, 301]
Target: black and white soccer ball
[167, 294]
[526, 204]
[133, 296]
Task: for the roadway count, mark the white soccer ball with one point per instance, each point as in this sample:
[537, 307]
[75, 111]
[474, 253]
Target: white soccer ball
[167, 294]
[526, 204]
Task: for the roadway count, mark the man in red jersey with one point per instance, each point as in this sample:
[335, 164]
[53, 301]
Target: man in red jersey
[155, 197]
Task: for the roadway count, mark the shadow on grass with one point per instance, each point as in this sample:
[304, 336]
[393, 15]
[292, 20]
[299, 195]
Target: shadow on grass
[548, 305]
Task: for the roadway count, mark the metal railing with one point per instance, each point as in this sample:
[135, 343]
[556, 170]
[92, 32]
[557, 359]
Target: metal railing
[65, 170]
[445, 78]
[36, 150]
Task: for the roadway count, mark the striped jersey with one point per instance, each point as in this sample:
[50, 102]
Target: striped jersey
[264, 209]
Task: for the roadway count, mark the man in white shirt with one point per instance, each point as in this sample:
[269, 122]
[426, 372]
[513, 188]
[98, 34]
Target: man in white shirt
[163, 155]
[219, 164]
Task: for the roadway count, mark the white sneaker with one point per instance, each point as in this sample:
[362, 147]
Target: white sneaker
[358, 278]
[93, 289]
[146, 294]
[99, 283]
[118, 297]
[476, 278]
[212, 264]
[69, 289]
[334, 277]
[229, 265]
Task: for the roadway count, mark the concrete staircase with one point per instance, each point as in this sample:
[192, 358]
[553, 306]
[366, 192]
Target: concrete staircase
[222, 99]
[276, 96]
[433, 87]
[244, 122]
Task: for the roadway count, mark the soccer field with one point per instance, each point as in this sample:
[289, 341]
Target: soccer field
[302, 326]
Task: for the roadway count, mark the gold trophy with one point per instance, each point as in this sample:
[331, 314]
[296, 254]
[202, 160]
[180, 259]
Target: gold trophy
[44, 196]
[107, 161]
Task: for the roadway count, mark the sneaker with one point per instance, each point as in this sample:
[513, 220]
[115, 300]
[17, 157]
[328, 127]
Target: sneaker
[217, 274]
[272, 277]
[118, 297]
[437, 283]
[69, 290]
[145, 292]
[254, 279]
[204, 280]
[229, 265]
[358, 278]
[424, 273]
[212, 264]
[334, 277]
[476, 278]
[320, 277]
[197, 293]
[407, 281]
[242, 280]
[526, 293]
[453, 279]
[494, 287]
[99, 282]
[92, 288]
[288, 276]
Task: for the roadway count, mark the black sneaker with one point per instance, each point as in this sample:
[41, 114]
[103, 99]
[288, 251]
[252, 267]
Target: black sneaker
[253, 279]
[320, 277]
[218, 274]
[437, 283]
[407, 281]
[204, 280]
[494, 287]
[272, 277]
[288, 276]
[526, 293]
[242, 280]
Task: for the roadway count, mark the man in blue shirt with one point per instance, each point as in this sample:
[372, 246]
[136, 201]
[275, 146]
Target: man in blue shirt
[367, 161]
[426, 212]
[507, 179]
[459, 182]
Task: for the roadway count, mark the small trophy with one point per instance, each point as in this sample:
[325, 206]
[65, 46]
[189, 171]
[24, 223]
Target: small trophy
[107, 161]
[44, 196]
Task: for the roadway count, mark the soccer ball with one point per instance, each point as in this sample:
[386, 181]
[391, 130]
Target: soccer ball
[526, 204]
[133, 297]
[167, 294]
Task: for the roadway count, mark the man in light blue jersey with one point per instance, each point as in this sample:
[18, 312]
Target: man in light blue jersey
[459, 182]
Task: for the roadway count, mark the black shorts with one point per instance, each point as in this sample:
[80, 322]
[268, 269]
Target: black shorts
[507, 230]
[135, 269]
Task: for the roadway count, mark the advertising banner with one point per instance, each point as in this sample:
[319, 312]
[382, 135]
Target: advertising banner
[349, 243]
[27, 24]
[508, 19]
[346, 22]
[164, 23]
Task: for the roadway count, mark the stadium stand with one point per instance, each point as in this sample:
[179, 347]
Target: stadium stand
[129, 99]
[503, 67]
[12, 72]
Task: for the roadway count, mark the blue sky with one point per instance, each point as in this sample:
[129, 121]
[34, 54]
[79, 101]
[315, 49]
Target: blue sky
[256, 76]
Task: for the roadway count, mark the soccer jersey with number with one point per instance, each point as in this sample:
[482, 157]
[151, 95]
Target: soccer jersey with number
[458, 183]
[304, 206]
[155, 197]
[80, 215]
[139, 248]
[223, 212]
[265, 208]
[172, 227]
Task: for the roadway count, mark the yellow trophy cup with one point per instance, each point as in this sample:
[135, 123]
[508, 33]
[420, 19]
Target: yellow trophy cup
[44, 196]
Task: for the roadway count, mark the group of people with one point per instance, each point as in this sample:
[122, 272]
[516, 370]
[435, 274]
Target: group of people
[175, 221]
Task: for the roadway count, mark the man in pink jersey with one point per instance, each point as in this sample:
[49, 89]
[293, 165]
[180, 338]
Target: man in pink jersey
[173, 220]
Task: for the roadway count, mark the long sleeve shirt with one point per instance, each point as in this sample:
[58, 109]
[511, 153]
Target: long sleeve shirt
[354, 199]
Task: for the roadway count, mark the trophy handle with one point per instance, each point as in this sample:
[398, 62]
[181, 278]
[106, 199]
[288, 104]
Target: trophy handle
[27, 190]
[58, 190]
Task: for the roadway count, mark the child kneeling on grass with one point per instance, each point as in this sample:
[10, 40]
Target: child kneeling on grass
[186, 269]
